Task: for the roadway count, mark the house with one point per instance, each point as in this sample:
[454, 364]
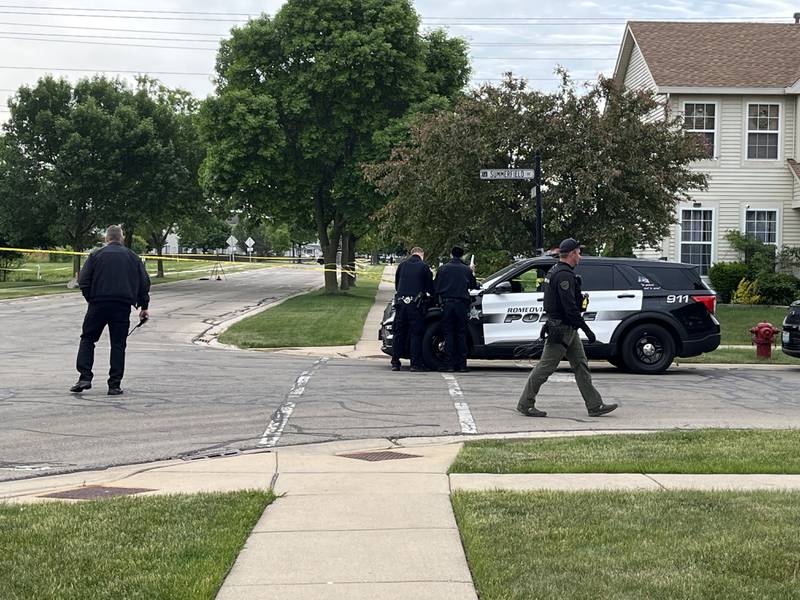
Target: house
[738, 86]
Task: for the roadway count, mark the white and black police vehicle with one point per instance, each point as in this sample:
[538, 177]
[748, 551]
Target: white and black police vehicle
[790, 337]
[644, 313]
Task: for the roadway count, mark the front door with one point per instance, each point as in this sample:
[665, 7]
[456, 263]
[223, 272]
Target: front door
[515, 317]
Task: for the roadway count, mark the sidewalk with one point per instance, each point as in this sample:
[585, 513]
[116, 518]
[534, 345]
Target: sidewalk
[356, 520]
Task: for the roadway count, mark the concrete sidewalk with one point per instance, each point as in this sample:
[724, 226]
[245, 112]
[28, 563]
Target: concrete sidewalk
[361, 519]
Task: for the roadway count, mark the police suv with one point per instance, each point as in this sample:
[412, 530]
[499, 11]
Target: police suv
[790, 339]
[644, 313]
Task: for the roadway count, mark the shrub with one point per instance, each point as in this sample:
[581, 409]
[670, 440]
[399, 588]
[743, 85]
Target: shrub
[9, 262]
[725, 277]
[746, 293]
[778, 288]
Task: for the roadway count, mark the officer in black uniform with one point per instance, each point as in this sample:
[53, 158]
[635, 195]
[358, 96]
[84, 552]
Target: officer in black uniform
[563, 303]
[413, 284]
[112, 279]
[453, 282]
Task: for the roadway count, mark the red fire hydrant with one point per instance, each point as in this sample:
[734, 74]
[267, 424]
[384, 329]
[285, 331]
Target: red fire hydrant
[763, 337]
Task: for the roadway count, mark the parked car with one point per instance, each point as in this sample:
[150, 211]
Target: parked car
[644, 313]
[790, 338]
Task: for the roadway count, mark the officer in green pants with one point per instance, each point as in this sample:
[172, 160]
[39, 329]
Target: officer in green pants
[562, 303]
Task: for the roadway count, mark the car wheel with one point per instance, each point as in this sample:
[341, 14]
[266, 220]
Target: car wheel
[433, 347]
[648, 349]
[617, 362]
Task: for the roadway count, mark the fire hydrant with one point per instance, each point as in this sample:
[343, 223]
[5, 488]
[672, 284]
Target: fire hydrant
[763, 337]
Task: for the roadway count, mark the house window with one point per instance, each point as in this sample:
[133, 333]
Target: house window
[697, 235]
[762, 225]
[762, 131]
[701, 118]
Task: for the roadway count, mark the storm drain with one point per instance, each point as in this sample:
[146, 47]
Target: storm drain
[95, 492]
[377, 456]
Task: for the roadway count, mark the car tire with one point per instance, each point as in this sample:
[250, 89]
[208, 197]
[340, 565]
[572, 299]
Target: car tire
[433, 347]
[648, 349]
[617, 362]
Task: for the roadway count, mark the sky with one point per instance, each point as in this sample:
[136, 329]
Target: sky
[78, 38]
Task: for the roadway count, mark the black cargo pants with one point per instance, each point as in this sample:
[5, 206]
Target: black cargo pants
[117, 315]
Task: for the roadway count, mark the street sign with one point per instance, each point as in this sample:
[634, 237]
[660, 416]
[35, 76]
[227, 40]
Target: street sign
[507, 174]
[232, 241]
[249, 242]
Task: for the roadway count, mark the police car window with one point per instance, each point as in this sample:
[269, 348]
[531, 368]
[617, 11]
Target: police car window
[672, 278]
[528, 282]
[595, 277]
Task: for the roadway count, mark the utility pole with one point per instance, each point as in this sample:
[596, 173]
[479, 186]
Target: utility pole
[537, 193]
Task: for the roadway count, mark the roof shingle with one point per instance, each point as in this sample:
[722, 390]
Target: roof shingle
[720, 54]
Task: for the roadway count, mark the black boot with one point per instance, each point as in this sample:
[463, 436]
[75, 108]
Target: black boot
[530, 411]
[601, 410]
[114, 391]
[81, 386]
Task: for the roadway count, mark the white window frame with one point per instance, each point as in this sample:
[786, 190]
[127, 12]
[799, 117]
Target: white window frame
[717, 116]
[765, 207]
[679, 237]
[748, 131]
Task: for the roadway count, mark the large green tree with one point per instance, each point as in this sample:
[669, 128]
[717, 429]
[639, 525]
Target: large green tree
[611, 177]
[76, 158]
[300, 97]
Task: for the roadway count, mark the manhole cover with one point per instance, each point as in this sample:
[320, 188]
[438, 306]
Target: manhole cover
[93, 492]
[376, 456]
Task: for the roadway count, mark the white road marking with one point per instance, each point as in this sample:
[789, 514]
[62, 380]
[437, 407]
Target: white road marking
[462, 408]
[281, 416]
[561, 378]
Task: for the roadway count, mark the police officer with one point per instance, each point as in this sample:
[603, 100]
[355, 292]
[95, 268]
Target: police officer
[562, 304]
[413, 284]
[453, 282]
[112, 279]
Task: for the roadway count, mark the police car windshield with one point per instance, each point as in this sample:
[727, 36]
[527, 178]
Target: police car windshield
[499, 276]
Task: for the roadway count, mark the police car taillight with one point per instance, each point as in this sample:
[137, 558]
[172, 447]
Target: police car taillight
[709, 301]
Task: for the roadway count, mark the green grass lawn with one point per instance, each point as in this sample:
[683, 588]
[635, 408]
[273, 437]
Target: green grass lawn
[698, 451]
[631, 545]
[313, 319]
[736, 321]
[742, 356]
[170, 547]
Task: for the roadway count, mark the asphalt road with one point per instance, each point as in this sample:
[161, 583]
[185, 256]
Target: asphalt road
[183, 399]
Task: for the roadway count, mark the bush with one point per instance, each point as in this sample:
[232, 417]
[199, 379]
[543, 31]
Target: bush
[778, 288]
[9, 262]
[746, 293]
[725, 277]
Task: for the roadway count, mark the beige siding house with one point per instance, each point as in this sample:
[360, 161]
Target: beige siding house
[738, 86]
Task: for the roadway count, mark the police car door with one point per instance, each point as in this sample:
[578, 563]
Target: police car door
[513, 315]
[611, 298]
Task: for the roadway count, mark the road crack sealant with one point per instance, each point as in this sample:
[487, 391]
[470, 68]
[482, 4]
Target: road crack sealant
[277, 423]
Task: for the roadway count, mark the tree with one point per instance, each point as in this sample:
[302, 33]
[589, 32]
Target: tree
[299, 98]
[168, 189]
[205, 232]
[611, 178]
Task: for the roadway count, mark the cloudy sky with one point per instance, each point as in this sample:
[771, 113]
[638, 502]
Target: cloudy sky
[175, 40]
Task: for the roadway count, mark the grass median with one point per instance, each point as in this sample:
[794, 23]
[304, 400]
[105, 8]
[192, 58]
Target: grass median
[621, 545]
[698, 451]
[312, 319]
[172, 547]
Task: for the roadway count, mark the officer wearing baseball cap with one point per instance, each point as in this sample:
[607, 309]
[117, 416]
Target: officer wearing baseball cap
[563, 304]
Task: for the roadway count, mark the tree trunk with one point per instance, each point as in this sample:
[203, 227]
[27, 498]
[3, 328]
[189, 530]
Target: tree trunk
[329, 242]
[76, 261]
[350, 257]
[160, 263]
[346, 281]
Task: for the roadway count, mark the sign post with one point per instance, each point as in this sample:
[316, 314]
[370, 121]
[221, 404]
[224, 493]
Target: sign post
[536, 191]
[250, 242]
[232, 241]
